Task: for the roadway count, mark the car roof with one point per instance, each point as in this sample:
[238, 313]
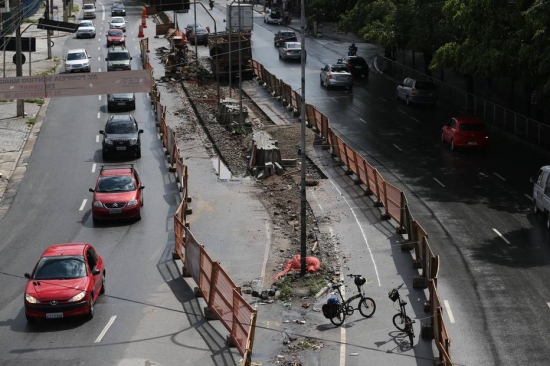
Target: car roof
[287, 32]
[116, 171]
[121, 117]
[113, 18]
[118, 48]
[339, 66]
[469, 120]
[116, 30]
[77, 50]
[293, 44]
[65, 249]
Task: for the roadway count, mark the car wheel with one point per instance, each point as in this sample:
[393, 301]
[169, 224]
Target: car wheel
[453, 145]
[109, 109]
[326, 85]
[280, 56]
[265, 21]
[350, 88]
[138, 153]
[104, 155]
[133, 106]
[77, 37]
[91, 304]
[102, 291]
[320, 81]
[442, 138]
[407, 101]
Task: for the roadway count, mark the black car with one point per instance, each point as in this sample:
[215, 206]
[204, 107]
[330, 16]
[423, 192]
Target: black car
[357, 65]
[284, 36]
[118, 9]
[121, 136]
[198, 35]
[125, 101]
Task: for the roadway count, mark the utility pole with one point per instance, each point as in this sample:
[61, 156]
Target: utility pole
[241, 122]
[48, 32]
[19, 66]
[303, 201]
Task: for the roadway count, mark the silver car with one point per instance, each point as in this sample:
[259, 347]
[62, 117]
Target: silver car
[417, 91]
[336, 75]
[77, 60]
[117, 23]
[291, 51]
[86, 28]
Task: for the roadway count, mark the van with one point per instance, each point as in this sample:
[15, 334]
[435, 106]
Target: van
[118, 58]
[541, 192]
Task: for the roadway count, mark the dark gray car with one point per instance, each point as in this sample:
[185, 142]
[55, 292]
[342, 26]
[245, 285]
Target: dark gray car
[417, 91]
[121, 137]
[124, 101]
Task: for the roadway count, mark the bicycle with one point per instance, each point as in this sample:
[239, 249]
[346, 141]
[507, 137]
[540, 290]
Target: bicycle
[337, 311]
[401, 320]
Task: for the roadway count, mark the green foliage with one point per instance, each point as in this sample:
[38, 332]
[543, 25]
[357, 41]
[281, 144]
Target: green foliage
[32, 21]
[285, 289]
[328, 10]
[31, 121]
[38, 101]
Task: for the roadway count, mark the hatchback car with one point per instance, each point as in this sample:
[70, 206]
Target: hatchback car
[336, 75]
[284, 36]
[118, 194]
[117, 23]
[77, 60]
[274, 16]
[468, 132]
[357, 65]
[66, 282]
[115, 37]
[86, 28]
[417, 91]
[125, 101]
[291, 51]
[198, 35]
[118, 9]
[121, 136]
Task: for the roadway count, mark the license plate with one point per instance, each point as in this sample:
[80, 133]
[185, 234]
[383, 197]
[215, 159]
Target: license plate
[115, 210]
[121, 103]
[121, 147]
[472, 143]
[54, 315]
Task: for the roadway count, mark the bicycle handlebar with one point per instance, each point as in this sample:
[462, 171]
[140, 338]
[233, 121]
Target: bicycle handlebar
[401, 285]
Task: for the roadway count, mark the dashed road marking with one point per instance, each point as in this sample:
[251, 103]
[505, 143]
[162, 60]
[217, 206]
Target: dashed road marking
[98, 114]
[528, 197]
[414, 119]
[548, 303]
[503, 238]
[384, 100]
[402, 111]
[93, 167]
[449, 312]
[99, 58]
[397, 147]
[362, 120]
[97, 138]
[104, 331]
[441, 184]
[500, 176]
[83, 204]
[99, 97]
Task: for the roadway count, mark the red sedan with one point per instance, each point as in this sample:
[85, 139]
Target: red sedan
[118, 194]
[66, 281]
[115, 37]
[466, 132]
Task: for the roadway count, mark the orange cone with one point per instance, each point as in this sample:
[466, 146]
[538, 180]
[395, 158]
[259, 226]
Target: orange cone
[140, 32]
[144, 22]
[144, 13]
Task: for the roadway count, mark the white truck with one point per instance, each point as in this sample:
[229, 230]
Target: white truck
[246, 21]
[541, 193]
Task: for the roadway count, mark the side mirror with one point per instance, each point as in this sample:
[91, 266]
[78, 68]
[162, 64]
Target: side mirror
[105, 58]
[89, 56]
[339, 60]
[140, 131]
[141, 187]
[91, 190]
[102, 132]
[130, 58]
[95, 272]
[224, 20]
[27, 275]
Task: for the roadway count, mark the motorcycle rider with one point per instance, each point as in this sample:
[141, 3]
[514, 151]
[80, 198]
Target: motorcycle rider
[352, 50]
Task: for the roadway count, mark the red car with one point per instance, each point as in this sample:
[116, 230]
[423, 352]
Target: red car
[66, 281]
[118, 194]
[466, 132]
[115, 37]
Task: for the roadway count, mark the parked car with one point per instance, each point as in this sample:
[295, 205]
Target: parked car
[291, 51]
[116, 37]
[284, 36]
[118, 194]
[77, 60]
[117, 23]
[541, 193]
[336, 75]
[66, 281]
[118, 59]
[465, 132]
[88, 11]
[86, 28]
[121, 136]
[198, 35]
[118, 9]
[417, 91]
[189, 27]
[274, 16]
[125, 101]
[357, 65]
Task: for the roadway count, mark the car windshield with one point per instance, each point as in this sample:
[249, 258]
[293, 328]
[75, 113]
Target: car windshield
[88, 7]
[118, 56]
[339, 69]
[117, 20]
[76, 56]
[115, 33]
[117, 5]
[471, 127]
[121, 127]
[60, 267]
[425, 85]
[86, 23]
[288, 35]
[120, 183]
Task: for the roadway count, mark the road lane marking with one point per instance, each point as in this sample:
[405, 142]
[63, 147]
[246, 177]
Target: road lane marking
[98, 114]
[449, 312]
[441, 184]
[500, 176]
[83, 204]
[405, 113]
[548, 303]
[499, 234]
[414, 119]
[96, 138]
[99, 70]
[102, 334]
[528, 197]
[99, 58]
[384, 100]
[362, 120]
[99, 97]
[397, 147]
[93, 167]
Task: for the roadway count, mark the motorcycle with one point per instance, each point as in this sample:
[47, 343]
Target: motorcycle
[211, 3]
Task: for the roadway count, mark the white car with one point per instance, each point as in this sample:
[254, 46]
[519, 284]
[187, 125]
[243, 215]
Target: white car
[77, 60]
[275, 16]
[88, 11]
[118, 23]
[86, 28]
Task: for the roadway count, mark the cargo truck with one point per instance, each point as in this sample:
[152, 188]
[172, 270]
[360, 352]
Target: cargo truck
[246, 21]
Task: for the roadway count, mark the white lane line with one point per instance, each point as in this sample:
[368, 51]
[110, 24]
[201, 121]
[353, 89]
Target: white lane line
[449, 312]
[98, 115]
[503, 238]
[93, 167]
[441, 184]
[414, 119]
[402, 111]
[397, 147]
[99, 48]
[102, 334]
[384, 100]
[500, 176]
[99, 58]
[528, 197]
[99, 97]
[548, 303]
[362, 120]
[97, 138]
[83, 204]
[99, 70]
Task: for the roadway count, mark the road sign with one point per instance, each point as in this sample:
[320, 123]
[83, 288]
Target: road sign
[72, 85]
[57, 25]
[26, 42]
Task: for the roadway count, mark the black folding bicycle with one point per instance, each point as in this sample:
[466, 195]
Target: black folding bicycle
[337, 312]
[401, 320]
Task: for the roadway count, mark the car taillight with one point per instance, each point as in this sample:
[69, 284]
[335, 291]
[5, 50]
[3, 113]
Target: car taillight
[413, 91]
[330, 76]
[348, 64]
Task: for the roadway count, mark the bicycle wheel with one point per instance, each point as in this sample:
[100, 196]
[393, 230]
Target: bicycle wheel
[410, 332]
[367, 307]
[399, 321]
[340, 316]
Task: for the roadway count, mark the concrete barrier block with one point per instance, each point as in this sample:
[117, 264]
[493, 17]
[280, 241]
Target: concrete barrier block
[427, 331]
[184, 271]
[420, 282]
[427, 307]
[209, 314]
[407, 246]
[189, 210]
[197, 291]
[229, 341]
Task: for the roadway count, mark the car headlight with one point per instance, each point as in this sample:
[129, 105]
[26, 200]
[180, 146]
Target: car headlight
[97, 204]
[132, 202]
[78, 297]
[133, 141]
[108, 142]
[31, 299]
